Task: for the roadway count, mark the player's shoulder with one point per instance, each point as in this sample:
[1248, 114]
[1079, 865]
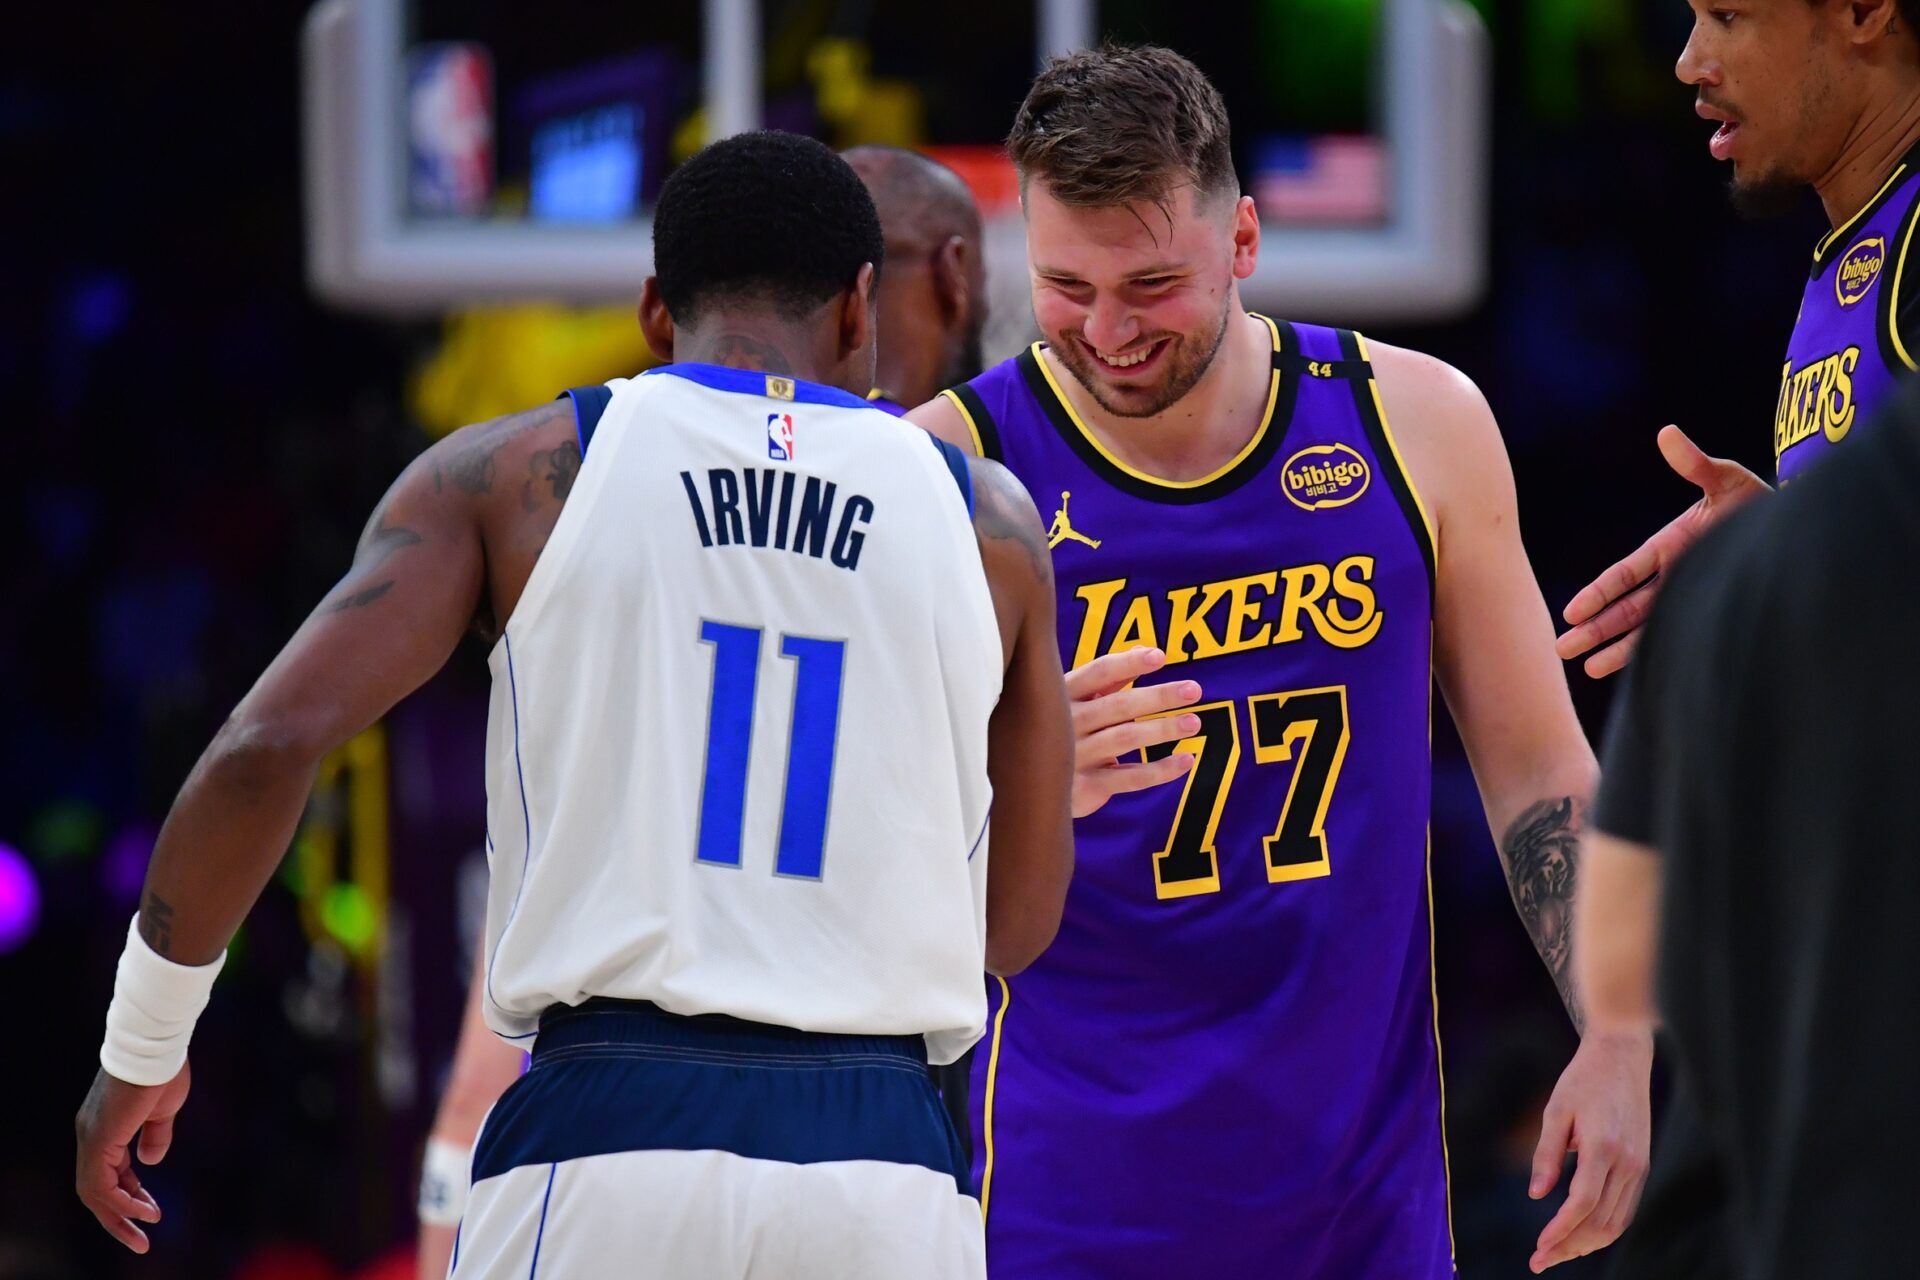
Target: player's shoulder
[1428, 392]
[1443, 427]
[474, 459]
[968, 415]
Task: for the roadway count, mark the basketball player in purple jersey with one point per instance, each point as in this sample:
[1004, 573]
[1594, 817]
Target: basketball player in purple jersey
[1267, 538]
[1820, 93]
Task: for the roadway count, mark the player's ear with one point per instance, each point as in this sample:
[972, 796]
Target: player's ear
[1246, 237]
[857, 312]
[655, 322]
[952, 284]
[1872, 19]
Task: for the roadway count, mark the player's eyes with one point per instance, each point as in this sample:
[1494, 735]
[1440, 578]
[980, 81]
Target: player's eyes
[1722, 16]
[1154, 282]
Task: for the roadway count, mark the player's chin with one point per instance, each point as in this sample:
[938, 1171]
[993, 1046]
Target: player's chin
[1758, 190]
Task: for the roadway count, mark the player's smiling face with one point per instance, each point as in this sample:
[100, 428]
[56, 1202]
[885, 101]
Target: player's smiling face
[1133, 299]
[1769, 79]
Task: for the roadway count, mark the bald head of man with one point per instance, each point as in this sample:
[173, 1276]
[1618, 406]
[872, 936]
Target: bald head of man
[933, 289]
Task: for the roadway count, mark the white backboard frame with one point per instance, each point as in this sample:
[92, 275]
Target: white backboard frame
[1427, 261]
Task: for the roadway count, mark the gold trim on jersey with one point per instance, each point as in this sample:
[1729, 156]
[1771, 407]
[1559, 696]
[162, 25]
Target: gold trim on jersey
[1400, 461]
[1073, 415]
[1839, 232]
[973, 428]
[1893, 299]
[993, 1078]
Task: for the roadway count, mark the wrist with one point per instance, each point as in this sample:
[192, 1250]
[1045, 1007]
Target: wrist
[1620, 1038]
[444, 1171]
[156, 1003]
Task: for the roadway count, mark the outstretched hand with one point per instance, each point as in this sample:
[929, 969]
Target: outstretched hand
[1613, 605]
[1600, 1110]
[1112, 719]
[113, 1115]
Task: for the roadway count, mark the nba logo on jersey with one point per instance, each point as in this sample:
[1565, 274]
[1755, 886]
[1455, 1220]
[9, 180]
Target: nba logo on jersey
[780, 437]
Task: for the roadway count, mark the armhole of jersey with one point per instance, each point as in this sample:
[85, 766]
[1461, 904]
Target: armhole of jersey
[1902, 351]
[1373, 419]
[956, 465]
[973, 411]
[589, 403]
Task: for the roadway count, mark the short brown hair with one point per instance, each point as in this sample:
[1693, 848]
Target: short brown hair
[1120, 123]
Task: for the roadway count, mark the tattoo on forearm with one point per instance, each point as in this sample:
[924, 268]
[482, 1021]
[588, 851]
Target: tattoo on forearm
[1540, 852]
[156, 924]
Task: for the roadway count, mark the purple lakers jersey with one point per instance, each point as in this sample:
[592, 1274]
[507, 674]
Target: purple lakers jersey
[1227, 1064]
[1849, 347]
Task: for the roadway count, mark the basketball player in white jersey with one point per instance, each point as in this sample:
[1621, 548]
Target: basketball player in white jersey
[933, 306]
[758, 681]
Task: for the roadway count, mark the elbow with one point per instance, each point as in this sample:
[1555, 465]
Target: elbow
[254, 755]
[1023, 913]
[1011, 947]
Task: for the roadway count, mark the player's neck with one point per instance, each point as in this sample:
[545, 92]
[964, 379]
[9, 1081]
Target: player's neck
[907, 367]
[760, 343]
[1206, 428]
[1885, 131]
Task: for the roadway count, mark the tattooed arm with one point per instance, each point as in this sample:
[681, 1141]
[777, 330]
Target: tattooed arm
[418, 579]
[1493, 650]
[1539, 851]
[1029, 738]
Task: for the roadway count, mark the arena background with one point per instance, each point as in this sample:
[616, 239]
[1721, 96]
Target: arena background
[195, 442]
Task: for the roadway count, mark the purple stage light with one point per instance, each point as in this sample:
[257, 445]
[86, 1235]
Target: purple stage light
[19, 899]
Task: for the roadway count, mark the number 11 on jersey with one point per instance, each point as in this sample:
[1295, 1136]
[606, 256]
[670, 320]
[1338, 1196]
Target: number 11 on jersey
[811, 741]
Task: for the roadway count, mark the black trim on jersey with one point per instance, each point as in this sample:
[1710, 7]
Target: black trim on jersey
[1298, 365]
[588, 404]
[1844, 232]
[956, 467]
[1388, 461]
[1901, 311]
[1274, 433]
[983, 424]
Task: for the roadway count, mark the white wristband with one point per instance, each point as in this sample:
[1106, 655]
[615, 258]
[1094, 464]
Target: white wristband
[155, 1004]
[443, 1182]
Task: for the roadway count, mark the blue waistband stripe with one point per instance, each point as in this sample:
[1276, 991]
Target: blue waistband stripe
[615, 1076]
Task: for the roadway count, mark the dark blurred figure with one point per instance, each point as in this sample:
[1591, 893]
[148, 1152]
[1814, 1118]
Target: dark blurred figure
[933, 292]
[1757, 813]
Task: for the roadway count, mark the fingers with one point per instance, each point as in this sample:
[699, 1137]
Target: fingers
[1093, 787]
[1615, 582]
[1556, 1130]
[1132, 704]
[119, 1228]
[1686, 458]
[1584, 1196]
[155, 1137]
[1134, 735]
[1612, 622]
[1123, 778]
[1112, 671]
[1612, 658]
[117, 1200]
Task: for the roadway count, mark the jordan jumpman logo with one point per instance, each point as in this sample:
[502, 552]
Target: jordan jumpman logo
[1062, 528]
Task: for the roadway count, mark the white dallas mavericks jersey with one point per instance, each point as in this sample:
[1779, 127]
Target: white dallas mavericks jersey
[736, 751]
